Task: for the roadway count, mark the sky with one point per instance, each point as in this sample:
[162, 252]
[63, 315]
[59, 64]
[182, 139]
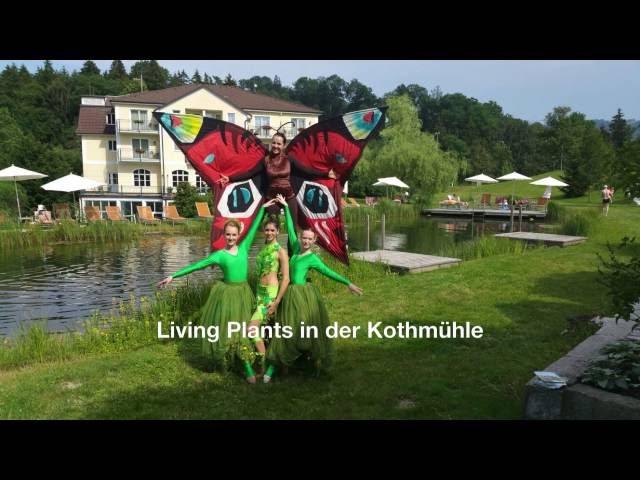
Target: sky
[525, 89]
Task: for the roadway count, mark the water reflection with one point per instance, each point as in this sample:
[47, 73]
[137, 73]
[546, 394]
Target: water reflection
[427, 235]
[65, 283]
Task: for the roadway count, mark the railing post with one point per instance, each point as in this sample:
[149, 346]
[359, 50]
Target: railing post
[520, 216]
[512, 211]
[367, 242]
[383, 232]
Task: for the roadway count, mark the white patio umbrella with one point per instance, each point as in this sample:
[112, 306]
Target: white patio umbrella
[72, 183]
[390, 182]
[18, 174]
[549, 182]
[481, 178]
[514, 176]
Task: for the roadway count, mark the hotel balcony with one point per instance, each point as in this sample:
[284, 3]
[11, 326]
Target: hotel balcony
[263, 132]
[137, 126]
[130, 191]
[129, 154]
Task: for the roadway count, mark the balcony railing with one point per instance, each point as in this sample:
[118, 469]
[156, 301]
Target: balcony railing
[106, 190]
[262, 132]
[127, 154]
[137, 126]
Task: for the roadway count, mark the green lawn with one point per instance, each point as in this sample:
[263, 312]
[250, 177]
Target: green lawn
[533, 308]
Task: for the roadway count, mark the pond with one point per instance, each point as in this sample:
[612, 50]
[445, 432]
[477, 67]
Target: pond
[66, 283]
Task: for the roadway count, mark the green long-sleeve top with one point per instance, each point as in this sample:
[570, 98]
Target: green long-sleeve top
[235, 268]
[299, 265]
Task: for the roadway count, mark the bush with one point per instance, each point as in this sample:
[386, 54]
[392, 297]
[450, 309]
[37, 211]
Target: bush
[619, 372]
[623, 281]
[186, 198]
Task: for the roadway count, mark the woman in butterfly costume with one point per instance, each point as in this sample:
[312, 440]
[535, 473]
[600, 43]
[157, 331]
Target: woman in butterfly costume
[220, 150]
[278, 166]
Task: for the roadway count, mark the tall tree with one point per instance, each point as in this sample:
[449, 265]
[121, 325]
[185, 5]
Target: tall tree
[406, 152]
[358, 96]
[196, 78]
[620, 131]
[229, 81]
[628, 175]
[155, 76]
[117, 71]
[90, 68]
[576, 142]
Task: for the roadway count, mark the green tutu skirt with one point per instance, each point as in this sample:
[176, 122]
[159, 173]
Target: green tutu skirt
[302, 304]
[228, 302]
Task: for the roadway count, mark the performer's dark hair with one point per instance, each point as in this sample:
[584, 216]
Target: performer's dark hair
[280, 134]
[273, 218]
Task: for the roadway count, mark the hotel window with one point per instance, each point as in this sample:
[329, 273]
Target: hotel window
[138, 119]
[113, 179]
[231, 117]
[201, 185]
[260, 123]
[111, 118]
[140, 147]
[213, 114]
[112, 145]
[178, 176]
[298, 123]
[141, 178]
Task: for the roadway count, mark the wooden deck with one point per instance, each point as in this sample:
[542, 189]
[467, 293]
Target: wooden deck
[406, 262]
[547, 238]
[487, 212]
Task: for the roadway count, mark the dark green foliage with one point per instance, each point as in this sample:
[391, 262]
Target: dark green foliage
[622, 279]
[186, 198]
[619, 372]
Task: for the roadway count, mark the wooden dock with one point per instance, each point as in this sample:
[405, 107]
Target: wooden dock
[479, 212]
[547, 238]
[406, 262]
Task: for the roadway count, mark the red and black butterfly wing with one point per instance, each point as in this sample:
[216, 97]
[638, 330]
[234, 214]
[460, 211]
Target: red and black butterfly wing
[337, 144]
[214, 148]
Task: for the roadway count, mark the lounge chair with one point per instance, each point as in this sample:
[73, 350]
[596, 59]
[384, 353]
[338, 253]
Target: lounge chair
[485, 200]
[203, 210]
[173, 216]
[344, 203]
[541, 204]
[61, 211]
[114, 214]
[145, 215]
[92, 214]
[353, 202]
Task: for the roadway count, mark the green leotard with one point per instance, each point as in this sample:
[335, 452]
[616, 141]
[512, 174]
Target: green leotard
[235, 268]
[299, 265]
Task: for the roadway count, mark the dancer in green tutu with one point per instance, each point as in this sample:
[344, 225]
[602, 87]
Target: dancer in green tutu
[271, 260]
[230, 300]
[302, 303]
